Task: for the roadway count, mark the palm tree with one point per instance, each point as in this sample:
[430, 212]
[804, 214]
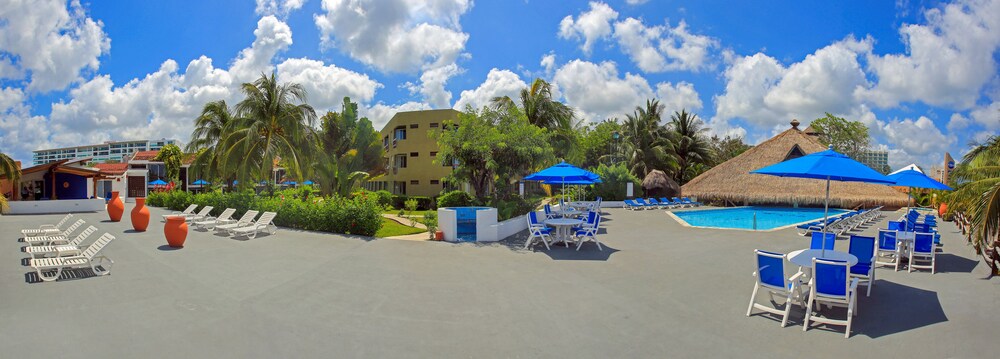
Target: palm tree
[543, 111]
[350, 148]
[691, 147]
[273, 121]
[9, 171]
[205, 139]
[977, 193]
[646, 144]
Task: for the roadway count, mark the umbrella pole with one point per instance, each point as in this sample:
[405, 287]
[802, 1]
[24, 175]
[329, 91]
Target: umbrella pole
[826, 216]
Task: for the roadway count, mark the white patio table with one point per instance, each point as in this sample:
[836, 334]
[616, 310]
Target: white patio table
[562, 226]
[803, 257]
[569, 212]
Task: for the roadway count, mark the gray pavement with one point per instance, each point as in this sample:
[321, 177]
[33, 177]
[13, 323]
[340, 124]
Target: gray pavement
[657, 290]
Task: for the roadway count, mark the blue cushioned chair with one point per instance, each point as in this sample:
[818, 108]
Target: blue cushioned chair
[888, 249]
[831, 284]
[863, 248]
[923, 250]
[819, 242]
[537, 231]
[770, 276]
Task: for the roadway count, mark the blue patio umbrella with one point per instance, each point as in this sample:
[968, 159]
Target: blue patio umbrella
[308, 182]
[200, 182]
[158, 183]
[826, 165]
[916, 179]
[564, 174]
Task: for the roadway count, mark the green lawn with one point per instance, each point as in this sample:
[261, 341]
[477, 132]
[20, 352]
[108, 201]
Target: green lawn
[391, 228]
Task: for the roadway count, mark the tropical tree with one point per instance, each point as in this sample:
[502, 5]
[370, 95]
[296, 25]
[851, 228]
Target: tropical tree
[171, 156]
[692, 149]
[727, 148]
[847, 137]
[597, 142]
[9, 169]
[208, 133]
[646, 144]
[538, 106]
[977, 194]
[272, 121]
[349, 150]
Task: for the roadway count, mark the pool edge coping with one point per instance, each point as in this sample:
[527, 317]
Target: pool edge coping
[686, 224]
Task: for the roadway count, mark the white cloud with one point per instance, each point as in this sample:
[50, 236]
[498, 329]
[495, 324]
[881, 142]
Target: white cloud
[987, 116]
[20, 133]
[549, 63]
[498, 83]
[395, 35]
[432, 84]
[279, 8]
[51, 43]
[597, 91]
[948, 60]
[380, 113]
[915, 141]
[589, 26]
[663, 48]
[272, 37]
[327, 85]
[636, 2]
[681, 96]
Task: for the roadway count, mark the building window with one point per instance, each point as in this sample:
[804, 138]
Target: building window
[434, 153]
[414, 182]
[434, 125]
[435, 182]
[400, 161]
[414, 154]
[400, 133]
[414, 125]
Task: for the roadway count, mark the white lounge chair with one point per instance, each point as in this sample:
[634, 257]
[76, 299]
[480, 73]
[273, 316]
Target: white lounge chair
[223, 218]
[186, 212]
[89, 257]
[204, 213]
[770, 276]
[46, 229]
[263, 224]
[69, 249]
[60, 238]
[832, 284]
[244, 221]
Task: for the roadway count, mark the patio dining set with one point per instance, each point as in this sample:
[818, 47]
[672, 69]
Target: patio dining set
[572, 223]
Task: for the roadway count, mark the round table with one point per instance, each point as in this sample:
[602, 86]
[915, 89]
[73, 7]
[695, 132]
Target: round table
[562, 226]
[803, 257]
[586, 205]
[569, 212]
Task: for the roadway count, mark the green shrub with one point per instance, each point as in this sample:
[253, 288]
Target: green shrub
[423, 202]
[384, 197]
[455, 199]
[516, 206]
[614, 179]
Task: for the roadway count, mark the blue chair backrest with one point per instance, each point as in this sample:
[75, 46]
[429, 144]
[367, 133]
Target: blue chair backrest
[591, 217]
[831, 277]
[819, 242]
[862, 247]
[677, 200]
[533, 218]
[770, 269]
[548, 209]
[896, 226]
[887, 240]
[652, 201]
[664, 200]
[923, 242]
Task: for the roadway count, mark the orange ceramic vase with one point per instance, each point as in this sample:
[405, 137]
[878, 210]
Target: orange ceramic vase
[115, 207]
[942, 209]
[140, 215]
[176, 231]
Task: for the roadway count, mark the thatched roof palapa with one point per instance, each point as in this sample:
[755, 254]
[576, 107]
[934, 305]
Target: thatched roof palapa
[732, 182]
[658, 184]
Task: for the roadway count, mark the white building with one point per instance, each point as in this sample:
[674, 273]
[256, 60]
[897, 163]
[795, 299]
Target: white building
[109, 150]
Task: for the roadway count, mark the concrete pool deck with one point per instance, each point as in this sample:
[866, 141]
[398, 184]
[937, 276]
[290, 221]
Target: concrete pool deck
[657, 290]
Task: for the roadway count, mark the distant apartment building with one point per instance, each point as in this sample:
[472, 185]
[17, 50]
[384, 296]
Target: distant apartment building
[110, 150]
[876, 159]
[409, 152]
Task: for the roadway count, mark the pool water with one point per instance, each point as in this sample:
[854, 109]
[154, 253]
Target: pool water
[466, 218]
[743, 217]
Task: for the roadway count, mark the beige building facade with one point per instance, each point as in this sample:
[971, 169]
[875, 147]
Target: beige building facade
[409, 152]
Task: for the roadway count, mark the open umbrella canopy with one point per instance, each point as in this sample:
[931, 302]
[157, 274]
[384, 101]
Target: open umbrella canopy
[564, 173]
[827, 165]
[200, 182]
[917, 179]
[158, 183]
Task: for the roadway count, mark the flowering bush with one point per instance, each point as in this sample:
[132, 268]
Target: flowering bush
[358, 215]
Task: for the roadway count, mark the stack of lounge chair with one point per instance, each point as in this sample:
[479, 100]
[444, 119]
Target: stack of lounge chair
[841, 223]
[52, 249]
[661, 203]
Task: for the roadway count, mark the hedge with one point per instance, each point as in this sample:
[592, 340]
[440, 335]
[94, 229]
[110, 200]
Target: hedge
[360, 215]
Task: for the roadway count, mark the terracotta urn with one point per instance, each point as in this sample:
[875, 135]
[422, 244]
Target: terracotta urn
[942, 209]
[176, 231]
[439, 235]
[115, 207]
[140, 215]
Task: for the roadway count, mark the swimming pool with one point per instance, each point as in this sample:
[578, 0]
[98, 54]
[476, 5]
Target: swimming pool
[743, 217]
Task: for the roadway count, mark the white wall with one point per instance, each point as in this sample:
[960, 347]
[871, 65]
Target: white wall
[486, 225]
[448, 223]
[57, 206]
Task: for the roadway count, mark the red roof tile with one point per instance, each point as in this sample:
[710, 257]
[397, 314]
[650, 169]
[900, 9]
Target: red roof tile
[145, 155]
[112, 168]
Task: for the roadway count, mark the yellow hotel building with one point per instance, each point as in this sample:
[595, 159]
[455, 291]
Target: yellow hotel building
[409, 152]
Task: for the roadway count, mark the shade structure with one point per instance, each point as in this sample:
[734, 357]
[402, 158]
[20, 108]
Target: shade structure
[826, 165]
[917, 179]
[564, 174]
[200, 182]
[158, 183]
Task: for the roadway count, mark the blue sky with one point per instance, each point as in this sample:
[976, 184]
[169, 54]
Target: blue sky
[922, 75]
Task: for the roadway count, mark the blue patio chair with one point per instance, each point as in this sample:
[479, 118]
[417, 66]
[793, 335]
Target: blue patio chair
[679, 202]
[689, 201]
[667, 203]
[631, 205]
[888, 251]
[537, 231]
[896, 226]
[819, 242]
[588, 231]
[548, 212]
[863, 248]
[653, 203]
[642, 203]
[831, 284]
[923, 250]
[770, 276]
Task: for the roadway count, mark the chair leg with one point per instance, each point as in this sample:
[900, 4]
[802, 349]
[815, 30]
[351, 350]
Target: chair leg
[871, 282]
[809, 309]
[788, 309]
[753, 298]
